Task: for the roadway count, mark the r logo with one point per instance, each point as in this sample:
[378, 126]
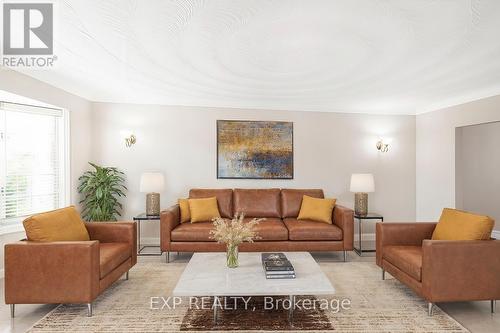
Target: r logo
[28, 29]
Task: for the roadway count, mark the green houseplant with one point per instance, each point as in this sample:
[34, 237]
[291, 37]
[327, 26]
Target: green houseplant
[101, 189]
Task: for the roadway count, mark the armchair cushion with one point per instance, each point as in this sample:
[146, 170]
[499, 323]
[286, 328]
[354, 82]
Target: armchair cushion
[184, 210]
[111, 255]
[62, 224]
[406, 258]
[459, 225]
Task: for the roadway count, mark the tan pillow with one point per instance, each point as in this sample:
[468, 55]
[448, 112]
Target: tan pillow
[204, 209]
[459, 225]
[62, 224]
[184, 208]
[316, 209]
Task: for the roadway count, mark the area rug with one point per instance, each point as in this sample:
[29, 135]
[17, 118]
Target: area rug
[128, 306]
[251, 314]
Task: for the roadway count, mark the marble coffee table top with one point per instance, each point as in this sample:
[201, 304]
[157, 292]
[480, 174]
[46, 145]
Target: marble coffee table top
[207, 275]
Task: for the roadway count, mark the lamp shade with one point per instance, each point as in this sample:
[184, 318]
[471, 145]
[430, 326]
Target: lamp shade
[152, 182]
[362, 182]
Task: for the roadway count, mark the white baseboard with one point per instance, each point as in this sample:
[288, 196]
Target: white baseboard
[496, 234]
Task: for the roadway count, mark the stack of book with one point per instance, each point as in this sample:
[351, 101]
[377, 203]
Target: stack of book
[277, 266]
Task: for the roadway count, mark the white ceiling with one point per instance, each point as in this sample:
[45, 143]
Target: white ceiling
[368, 56]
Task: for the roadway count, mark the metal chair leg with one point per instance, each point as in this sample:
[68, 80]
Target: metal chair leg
[126, 276]
[12, 310]
[345, 256]
[383, 274]
[167, 257]
[430, 306]
[493, 305]
[89, 309]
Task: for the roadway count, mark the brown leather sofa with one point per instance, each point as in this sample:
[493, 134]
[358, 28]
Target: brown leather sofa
[280, 231]
[437, 270]
[69, 272]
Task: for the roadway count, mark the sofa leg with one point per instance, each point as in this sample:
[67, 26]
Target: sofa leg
[12, 310]
[493, 305]
[383, 274]
[430, 306]
[167, 257]
[345, 256]
[89, 309]
[126, 275]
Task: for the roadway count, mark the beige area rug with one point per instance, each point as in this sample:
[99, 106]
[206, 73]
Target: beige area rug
[376, 306]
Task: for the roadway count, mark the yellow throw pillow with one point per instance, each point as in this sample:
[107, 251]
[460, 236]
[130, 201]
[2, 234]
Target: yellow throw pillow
[184, 208]
[62, 224]
[316, 209]
[459, 225]
[203, 209]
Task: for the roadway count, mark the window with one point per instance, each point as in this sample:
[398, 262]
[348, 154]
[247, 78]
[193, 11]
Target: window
[32, 161]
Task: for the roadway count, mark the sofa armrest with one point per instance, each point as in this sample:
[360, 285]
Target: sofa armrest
[169, 219]
[115, 232]
[343, 217]
[51, 272]
[401, 234]
[461, 270]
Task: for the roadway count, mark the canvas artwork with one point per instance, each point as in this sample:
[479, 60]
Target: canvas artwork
[254, 149]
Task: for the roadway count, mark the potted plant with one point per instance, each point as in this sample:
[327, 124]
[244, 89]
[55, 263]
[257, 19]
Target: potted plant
[101, 189]
[233, 233]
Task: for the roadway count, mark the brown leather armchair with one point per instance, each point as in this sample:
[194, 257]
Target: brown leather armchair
[69, 272]
[437, 270]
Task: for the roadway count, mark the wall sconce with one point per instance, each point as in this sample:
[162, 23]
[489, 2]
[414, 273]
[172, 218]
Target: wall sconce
[130, 140]
[382, 146]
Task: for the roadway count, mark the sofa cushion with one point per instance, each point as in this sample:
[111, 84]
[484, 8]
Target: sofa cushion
[316, 209]
[257, 203]
[305, 230]
[406, 258]
[62, 224]
[111, 255]
[224, 199]
[270, 229]
[204, 209]
[192, 232]
[455, 224]
[291, 200]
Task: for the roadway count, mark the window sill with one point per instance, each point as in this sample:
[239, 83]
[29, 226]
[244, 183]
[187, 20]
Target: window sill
[11, 229]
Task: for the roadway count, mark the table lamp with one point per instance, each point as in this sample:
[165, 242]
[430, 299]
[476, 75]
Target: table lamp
[361, 185]
[152, 183]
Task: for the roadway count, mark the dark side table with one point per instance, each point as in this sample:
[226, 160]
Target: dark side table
[361, 218]
[146, 218]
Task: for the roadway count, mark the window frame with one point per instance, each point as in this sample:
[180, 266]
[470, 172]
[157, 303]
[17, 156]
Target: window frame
[14, 224]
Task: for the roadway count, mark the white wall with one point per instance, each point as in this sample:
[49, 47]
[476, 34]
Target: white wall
[478, 166]
[436, 152]
[181, 142]
[80, 123]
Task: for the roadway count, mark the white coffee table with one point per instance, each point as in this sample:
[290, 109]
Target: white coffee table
[207, 275]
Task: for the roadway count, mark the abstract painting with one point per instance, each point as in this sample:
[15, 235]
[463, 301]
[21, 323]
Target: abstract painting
[254, 149]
